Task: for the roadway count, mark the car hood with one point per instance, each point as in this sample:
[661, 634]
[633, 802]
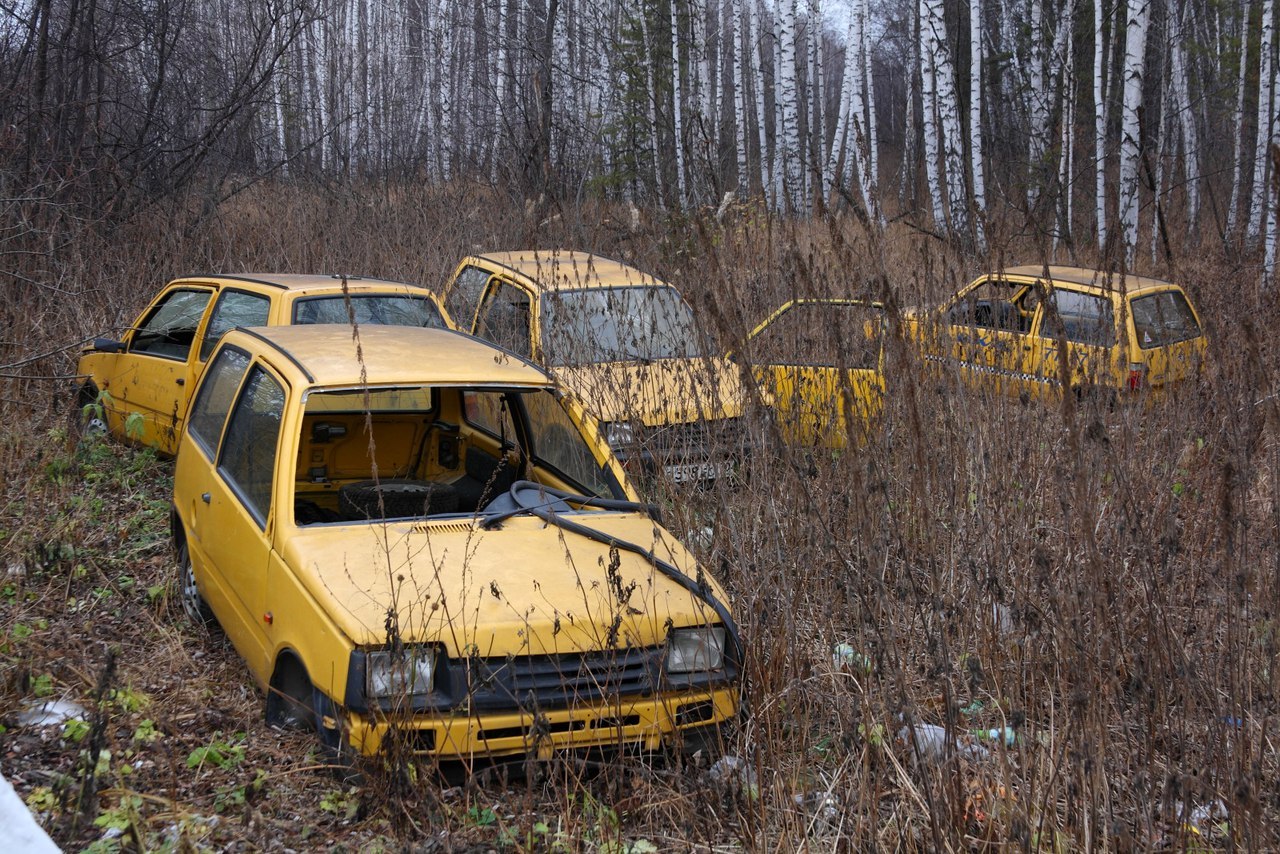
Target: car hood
[665, 391]
[523, 587]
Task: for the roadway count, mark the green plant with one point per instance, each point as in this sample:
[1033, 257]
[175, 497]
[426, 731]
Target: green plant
[129, 700]
[343, 803]
[219, 753]
[146, 732]
[75, 729]
[42, 685]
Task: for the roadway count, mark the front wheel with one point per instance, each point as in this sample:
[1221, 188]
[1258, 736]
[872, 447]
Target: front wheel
[89, 417]
[193, 604]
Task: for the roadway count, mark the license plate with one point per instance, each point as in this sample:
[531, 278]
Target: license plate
[690, 472]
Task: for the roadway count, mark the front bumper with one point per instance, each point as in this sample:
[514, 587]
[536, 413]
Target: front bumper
[647, 723]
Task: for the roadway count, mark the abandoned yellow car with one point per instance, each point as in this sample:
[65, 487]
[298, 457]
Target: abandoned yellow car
[1010, 331]
[431, 543]
[138, 388]
[820, 363]
[623, 342]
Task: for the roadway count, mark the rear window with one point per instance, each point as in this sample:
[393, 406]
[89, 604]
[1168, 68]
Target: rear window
[380, 309]
[1163, 318]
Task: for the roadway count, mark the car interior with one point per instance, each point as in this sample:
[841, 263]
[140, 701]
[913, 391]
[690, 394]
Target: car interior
[433, 451]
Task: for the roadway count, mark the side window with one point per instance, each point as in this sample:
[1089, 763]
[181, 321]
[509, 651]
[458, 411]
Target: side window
[558, 444]
[1081, 318]
[248, 458]
[505, 318]
[464, 296]
[214, 399]
[233, 308]
[170, 329]
[489, 411]
[821, 335]
[988, 306]
[1163, 318]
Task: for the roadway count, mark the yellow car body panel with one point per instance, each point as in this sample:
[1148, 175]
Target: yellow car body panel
[661, 396]
[292, 580]
[143, 382]
[820, 362]
[1135, 335]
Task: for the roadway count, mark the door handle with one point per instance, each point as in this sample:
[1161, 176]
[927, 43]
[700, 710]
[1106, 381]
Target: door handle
[180, 381]
[204, 496]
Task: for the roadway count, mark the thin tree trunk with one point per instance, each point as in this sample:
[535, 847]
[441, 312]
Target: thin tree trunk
[1130, 134]
[1100, 123]
[1237, 124]
[977, 169]
[1258, 208]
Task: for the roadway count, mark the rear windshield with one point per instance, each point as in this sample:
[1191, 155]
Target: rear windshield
[1163, 318]
[378, 309]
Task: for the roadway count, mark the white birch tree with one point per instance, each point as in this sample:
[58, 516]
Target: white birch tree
[1266, 123]
[1139, 15]
[977, 167]
[1100, 122]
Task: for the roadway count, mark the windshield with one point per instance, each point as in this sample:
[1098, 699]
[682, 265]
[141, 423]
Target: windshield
[618, 325]
[379, 309]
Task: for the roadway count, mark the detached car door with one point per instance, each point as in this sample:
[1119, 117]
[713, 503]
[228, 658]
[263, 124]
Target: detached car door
[228, 475]
[820, 362]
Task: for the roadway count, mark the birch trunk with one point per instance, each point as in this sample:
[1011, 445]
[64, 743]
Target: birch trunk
[929, 102]
[1130, 133]
[677, 107]
[1237, 125]
[976, 57]
[789, 167]
[1100, 123]
[1258, 208]
[863, 11]
[948, 119]
[740, 93]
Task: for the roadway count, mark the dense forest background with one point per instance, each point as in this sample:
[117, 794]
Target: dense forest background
[1113, 124]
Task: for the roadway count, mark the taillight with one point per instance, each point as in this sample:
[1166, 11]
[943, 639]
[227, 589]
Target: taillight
[1137, 376]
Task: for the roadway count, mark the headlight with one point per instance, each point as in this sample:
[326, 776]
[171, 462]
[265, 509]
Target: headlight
[695, 650]
[404, 673]
[619, 434]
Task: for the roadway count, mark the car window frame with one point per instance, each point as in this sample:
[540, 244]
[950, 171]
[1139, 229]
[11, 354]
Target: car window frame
[210, 451]
[1176, 293]
[212, 312]
[496, 283]
[260, 517]
[471, 303]
[157, 306]
[1043, 318]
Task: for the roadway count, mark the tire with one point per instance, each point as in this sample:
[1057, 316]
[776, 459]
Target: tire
[335, 747]
[193, 604]
[399, 498]
[87, 425]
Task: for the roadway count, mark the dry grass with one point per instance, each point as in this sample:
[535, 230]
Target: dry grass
[1106, 583]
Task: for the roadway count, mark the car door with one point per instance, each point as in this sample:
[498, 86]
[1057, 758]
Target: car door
[1085, 324]
[505, 317]
[233, 516]
[986, 334]
[820, 363]
[462, 297]
[150, 382]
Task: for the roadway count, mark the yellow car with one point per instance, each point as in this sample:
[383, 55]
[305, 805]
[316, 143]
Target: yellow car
[138, 388]
[1011, 330]
[820, 362]
[431, 544]
[623, 342]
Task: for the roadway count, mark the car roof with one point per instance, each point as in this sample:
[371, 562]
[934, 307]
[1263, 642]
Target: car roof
[300, 281]
[568, 269]
[1087, 278]
[326, 355]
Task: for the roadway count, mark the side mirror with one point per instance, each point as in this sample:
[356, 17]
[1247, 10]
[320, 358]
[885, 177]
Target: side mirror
[108, 345]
